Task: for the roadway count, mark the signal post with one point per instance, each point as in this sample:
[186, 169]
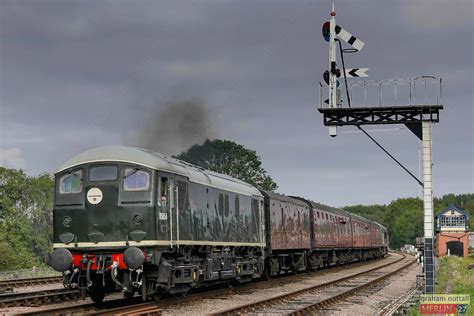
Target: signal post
[417, 113]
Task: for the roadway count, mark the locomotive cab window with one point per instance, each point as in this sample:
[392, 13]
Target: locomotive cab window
[136, 180]
[71, 183]
[103, 173]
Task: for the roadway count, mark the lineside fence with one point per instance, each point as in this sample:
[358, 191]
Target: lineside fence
[27, 273]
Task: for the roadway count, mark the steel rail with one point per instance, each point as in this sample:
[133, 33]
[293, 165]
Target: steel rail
[37, 298]
[120, 306]
[393, 306]
[251, 307]
[30, 281]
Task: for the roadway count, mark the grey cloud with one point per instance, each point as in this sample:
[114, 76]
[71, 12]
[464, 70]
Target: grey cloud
[93, 70]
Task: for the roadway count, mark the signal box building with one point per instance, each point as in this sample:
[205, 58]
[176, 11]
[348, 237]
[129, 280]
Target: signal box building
[453, 235]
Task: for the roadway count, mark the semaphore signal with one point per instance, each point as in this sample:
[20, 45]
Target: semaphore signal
[331, 31]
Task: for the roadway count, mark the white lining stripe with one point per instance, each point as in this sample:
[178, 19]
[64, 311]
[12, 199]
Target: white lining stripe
[153, 243]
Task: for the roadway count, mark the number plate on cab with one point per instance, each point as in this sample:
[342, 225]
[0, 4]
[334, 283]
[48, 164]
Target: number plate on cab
[163, 216]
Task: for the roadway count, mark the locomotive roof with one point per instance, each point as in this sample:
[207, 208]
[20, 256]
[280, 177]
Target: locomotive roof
[158, 161]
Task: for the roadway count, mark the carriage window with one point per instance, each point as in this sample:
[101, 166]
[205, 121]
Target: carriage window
[103, 173]
[71, 183]
[237, 206]
[282, 218]
[136, 180]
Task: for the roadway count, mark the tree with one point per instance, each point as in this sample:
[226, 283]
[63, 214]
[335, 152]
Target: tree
[404, 217]
[25, 218]
[230, 158]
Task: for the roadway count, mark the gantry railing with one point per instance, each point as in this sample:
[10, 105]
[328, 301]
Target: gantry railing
[424, 90]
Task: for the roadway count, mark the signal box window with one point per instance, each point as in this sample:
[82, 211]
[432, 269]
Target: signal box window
[136, 180]
[71, 183]
[103, 173]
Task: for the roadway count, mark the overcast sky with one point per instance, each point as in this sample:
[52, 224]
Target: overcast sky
[80, 74]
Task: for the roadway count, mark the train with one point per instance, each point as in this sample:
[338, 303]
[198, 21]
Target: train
[134, 221]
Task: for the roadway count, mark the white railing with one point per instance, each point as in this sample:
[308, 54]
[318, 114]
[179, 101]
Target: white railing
[424, 90]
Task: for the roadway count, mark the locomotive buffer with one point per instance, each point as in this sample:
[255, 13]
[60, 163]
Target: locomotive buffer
[417, 108]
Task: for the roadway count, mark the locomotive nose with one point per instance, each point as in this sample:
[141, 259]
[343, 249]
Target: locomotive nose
[60, 259]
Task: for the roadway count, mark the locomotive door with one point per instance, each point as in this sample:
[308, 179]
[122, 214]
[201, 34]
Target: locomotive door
[169, 219]
[167, 215]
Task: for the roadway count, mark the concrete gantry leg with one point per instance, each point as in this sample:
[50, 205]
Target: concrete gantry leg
[428, 208]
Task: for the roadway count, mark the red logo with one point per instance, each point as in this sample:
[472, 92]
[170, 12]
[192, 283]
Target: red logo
[438, 309]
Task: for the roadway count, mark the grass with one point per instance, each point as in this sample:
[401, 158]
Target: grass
[462, 279]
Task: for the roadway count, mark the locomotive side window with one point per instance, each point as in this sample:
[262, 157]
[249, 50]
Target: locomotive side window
[255, 210]
[71, 183]
[103, 173]
[221, 204]
[163, 190]
[237, 206]
[226, 205]
[136, 180]
[182, 195]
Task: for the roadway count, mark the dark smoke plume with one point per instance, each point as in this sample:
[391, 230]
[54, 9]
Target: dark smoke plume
[178, 125]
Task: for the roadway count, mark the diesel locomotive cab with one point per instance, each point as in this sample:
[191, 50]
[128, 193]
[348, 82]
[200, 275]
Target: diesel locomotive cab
[104, 217]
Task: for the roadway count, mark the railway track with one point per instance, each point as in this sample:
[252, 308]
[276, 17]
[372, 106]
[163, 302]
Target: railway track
[37, 298]
[316, 297]
[16, 283]
[124, 306]
[392, 308]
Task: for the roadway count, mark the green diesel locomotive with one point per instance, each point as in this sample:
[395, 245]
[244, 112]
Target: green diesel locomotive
[131, 219]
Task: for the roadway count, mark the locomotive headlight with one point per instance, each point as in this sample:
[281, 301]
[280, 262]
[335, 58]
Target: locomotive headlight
[60, 259]
[67, 221]
[137, 219]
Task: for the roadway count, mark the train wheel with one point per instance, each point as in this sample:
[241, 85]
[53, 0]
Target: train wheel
[97, 293]
[129, 295]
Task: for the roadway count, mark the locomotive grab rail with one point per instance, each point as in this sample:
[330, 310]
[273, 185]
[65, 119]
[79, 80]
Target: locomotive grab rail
[177, 216]
[170, 214]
